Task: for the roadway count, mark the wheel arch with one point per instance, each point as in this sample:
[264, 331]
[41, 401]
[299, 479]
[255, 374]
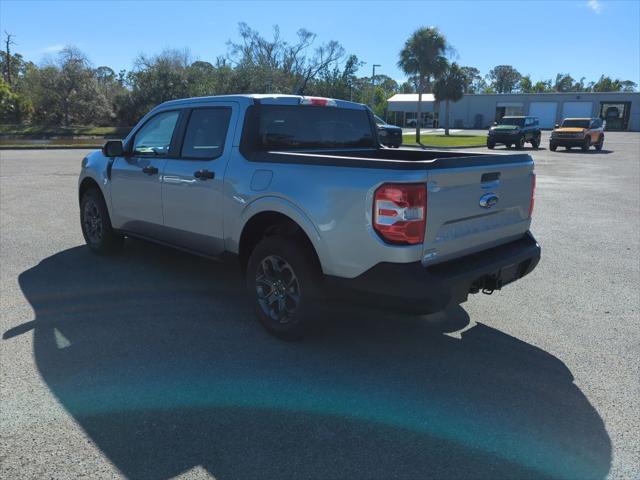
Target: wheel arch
[86, 184]
[272, 222]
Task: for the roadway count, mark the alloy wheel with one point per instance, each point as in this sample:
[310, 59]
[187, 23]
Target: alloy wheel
[92, 221]
[277, 288]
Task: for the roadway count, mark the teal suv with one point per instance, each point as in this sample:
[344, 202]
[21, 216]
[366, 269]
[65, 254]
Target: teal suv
[514, 131]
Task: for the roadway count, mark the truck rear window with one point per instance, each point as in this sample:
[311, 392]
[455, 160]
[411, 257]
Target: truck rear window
[294, 127]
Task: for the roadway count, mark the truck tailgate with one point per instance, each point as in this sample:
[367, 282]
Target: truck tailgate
[475, 207]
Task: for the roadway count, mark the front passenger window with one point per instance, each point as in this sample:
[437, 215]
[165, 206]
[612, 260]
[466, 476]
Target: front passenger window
[154, 138]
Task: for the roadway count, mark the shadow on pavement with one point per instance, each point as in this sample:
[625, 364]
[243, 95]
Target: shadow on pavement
[157, 356]
[588, 152]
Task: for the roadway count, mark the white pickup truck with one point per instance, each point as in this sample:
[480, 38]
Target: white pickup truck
[301, 192]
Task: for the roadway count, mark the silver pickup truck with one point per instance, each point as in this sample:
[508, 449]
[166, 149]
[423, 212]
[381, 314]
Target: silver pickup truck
[300, 191]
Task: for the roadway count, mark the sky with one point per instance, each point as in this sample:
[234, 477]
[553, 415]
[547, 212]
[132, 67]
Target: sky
[585, 38]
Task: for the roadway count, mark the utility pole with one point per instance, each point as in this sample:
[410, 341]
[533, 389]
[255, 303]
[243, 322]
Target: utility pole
[373, 84]
[8, 42]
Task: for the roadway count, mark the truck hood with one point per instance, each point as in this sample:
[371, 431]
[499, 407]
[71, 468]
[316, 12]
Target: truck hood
[570, 130]
[505, 127]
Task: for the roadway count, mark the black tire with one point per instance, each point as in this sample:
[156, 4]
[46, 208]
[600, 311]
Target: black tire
[568, 147]
[96, 224]
[295, 287]
[586, 144]
[553, 147]
[491, 144]
[520, 143]
[508, 145]
[600, 143]
[535, 142]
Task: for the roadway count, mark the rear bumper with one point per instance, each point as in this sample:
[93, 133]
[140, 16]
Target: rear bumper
[412, 287]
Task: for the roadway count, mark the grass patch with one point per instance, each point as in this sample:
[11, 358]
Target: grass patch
[44, 131]
[442, 140]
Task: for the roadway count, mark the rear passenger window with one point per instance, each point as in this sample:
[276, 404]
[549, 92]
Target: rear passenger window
[206, 132]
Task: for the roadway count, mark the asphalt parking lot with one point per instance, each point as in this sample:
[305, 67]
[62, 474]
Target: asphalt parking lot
[151, 365]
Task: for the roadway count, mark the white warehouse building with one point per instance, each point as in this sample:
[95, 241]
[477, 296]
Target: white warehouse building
[620, 110]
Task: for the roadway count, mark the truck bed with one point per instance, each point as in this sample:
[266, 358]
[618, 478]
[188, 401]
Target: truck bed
[396, 159]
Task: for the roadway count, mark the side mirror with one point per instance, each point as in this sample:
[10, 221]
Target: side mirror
[113, 148]
[495, 123]
[557, 126]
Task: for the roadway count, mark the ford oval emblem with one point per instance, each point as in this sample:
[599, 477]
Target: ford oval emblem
[488, 200]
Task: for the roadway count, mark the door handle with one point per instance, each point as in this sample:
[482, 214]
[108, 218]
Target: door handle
[204, 174]
[150, 170]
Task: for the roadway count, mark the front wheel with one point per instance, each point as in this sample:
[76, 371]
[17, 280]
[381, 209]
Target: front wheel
[96, 224]
[600, 143]
[283, 281]
[491, 144]
[520, 143]
[586, 144]
[553, 147]
[535, 143]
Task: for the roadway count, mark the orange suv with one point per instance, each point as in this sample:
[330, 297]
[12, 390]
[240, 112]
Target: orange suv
[578, 132]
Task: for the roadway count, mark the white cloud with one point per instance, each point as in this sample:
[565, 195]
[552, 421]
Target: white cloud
[52, 48]
[595, 5]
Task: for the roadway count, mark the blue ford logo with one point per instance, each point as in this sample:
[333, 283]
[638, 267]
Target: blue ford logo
[488, 200]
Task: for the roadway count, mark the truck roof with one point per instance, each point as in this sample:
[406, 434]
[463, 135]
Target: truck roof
[265, 98]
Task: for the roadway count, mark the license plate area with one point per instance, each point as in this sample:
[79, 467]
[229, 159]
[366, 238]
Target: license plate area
[495, 281]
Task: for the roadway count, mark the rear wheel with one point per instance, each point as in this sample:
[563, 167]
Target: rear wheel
[283, 281]
[586, 144]
[520, 143]
[96, 224]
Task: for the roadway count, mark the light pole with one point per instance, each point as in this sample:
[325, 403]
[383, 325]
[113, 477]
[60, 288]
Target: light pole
[373, 84]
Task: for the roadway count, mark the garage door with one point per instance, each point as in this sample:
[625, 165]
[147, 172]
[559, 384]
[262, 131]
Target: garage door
[545, 111]
[577, 109]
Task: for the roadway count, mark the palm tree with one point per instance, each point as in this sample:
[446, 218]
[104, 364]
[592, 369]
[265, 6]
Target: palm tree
[450, 88]
[423, 57]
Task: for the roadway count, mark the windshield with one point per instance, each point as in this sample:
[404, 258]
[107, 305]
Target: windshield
[292, 126]
[576, 122]
[517, 122]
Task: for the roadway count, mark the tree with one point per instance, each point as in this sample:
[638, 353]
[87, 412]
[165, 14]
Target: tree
[407, 87]
[450, 88]
[563, 83]
[274, 65]
[606, 84]
[8, 42]
[542, 86]
[525, 85]
[14, 107]
[423, 57]
[473, 80]
[504, 78]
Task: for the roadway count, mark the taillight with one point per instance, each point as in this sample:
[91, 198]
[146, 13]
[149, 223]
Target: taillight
[533, 194]
[400, 213]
